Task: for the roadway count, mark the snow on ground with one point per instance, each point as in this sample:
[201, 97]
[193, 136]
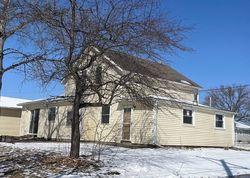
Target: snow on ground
[244, 146]
[146, 162]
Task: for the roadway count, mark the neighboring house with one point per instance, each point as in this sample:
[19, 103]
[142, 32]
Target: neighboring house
[181, 121]
[10, 115]
[242, 132]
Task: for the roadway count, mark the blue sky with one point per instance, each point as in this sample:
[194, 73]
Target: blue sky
[220, 39]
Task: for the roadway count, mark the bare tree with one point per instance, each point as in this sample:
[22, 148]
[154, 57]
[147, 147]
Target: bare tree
[81, 36]
[15, 21]
[231, 98]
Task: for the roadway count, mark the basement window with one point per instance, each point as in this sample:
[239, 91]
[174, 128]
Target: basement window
[187, 116]
[52, 114]
[219, 121]
[105, 114]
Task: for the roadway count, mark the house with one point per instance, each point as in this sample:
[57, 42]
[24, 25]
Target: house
[242, 131]
[179, 121]
[10, 115]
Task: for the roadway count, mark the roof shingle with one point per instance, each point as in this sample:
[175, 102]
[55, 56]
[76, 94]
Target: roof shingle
[149, 68]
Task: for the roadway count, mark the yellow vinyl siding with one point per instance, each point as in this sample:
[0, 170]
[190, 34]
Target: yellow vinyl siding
[56, 129]
[10, 121]
[91, 127]
[172, 131]
[94, 130]
[25, 122]
[169, 128]
[141, 126]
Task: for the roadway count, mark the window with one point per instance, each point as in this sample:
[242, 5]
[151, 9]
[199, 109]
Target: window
[187, 116]
[98, 75]
[34, 121]
[196, 97]
[69, 118]
[105, 114]
[52, 114]
[219, 121]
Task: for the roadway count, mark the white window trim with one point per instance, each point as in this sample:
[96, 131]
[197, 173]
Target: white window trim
[223, 119]
[56, 111]
[193, 118]
[109, 116]
[66, 125]
[233, 132]
[30, 133]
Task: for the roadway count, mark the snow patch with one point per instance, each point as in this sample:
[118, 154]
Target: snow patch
[161, 162]
[9, 102]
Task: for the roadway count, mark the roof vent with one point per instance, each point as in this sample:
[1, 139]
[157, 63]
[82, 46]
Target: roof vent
[185, 82]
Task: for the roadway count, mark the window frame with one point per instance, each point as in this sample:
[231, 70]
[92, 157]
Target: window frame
[105, 114]
[98, 75]
[68, 124]
[223, 121]
[34, 116]
[192, 116]
[49, 112]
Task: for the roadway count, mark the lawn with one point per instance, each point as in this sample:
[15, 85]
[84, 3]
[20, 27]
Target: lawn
[47, 160]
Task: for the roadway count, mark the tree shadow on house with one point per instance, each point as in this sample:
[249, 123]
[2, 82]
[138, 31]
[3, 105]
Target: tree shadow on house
[59, 127]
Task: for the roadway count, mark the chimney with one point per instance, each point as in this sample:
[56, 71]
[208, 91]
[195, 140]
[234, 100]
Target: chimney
[196, 98]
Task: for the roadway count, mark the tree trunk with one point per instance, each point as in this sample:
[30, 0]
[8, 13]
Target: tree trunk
[75, 130]
[1, 54]
[1, 62]
[1, 79]
[2, 38]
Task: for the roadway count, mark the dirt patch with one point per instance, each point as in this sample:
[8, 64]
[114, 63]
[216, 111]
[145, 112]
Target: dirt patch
[65, 161]
[15, 162]
[113, 173]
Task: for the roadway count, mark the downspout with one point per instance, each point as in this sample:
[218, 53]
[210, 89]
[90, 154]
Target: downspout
[234, 131]
[155, 118]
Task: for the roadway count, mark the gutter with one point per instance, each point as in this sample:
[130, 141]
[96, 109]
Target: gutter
[5, 107]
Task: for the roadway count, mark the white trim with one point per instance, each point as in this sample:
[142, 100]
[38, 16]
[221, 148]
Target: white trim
[223, 119]
[131, 114]
[182, 84]
[234, 136]
[189, 104]
[154, 129]
[112, 62]
[131, 122]
[186, 82]
[109, 115]
[56, 111]
[33, 121]
[193, 117]
[122, 115]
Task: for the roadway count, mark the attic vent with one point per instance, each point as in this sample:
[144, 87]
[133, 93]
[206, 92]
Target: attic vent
[185, 82]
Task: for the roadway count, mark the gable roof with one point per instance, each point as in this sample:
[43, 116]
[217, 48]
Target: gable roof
[150, 68]
[9, 102]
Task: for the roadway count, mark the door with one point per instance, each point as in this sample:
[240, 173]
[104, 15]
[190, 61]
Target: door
[126, 124]
[34, 121]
